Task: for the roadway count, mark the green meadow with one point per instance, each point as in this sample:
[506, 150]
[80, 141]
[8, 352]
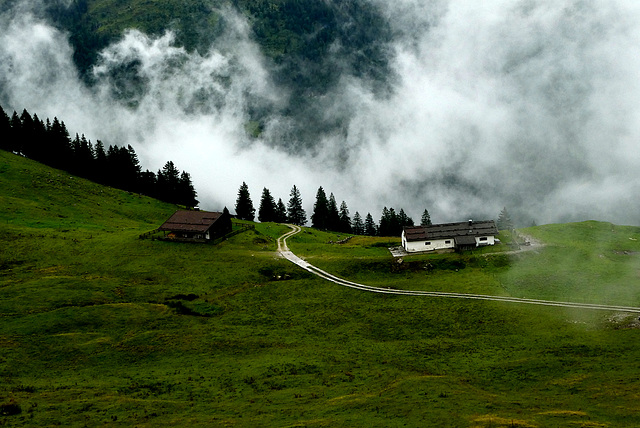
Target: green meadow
[98, 327]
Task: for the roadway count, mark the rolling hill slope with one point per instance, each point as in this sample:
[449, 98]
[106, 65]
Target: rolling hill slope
[98, 327]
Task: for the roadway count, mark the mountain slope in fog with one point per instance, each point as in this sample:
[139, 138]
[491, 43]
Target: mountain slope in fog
[456, 106]
[311, 46]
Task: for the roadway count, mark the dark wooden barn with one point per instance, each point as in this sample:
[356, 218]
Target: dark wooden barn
[196, 226]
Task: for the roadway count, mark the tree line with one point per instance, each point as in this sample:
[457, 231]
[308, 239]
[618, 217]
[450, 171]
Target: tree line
[50, 143]
[327, 214]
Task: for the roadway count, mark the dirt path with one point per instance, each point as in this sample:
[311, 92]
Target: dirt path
[284, 251]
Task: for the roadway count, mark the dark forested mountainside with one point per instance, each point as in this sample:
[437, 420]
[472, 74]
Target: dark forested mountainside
[310, 45]
[288, 31]
[93, 24]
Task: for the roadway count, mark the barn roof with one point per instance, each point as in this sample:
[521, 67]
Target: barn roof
[451, 230]
[190, 221]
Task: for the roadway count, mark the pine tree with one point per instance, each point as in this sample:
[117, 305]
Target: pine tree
[344, 219]
[394, 223]
[391, 223]
[148, 182]
[244, 205]
[295, 213]
[186, 192]
[83, 157]
[404, 220]
[370, 226]
[16, 133]
[384, 225]
[58, 152]
[320, 216]
[39, 139]
[100, 171]
[124, 173]
[333, 220]
[281, 212]
[357, 225]
[426, 219]
[5, 130]
[168, 179]
[504, 220]
[27, 134]
[267, 210]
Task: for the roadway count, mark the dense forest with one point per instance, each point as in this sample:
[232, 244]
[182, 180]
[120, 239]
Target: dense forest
[50, 143]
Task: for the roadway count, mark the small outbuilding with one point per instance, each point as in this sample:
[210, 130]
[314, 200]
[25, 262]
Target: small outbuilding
[465, 235]
[196, 226]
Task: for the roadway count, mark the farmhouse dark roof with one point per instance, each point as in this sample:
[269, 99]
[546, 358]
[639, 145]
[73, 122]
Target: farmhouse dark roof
[190, 221]
[451, 230]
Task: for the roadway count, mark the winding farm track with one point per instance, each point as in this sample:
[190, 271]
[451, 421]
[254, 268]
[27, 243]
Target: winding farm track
[284, 251]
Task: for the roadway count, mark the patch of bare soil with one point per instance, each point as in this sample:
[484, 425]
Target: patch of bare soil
[624, 321]
[626, 253]
[534, 243]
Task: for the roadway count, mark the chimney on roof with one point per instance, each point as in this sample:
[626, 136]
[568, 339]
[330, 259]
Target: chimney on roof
[470, 225]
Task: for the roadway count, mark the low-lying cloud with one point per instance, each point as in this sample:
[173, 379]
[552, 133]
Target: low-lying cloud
[530, 105]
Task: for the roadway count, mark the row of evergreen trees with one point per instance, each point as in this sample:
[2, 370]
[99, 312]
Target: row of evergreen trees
[49, 143]
[327, 215]
[269, 209]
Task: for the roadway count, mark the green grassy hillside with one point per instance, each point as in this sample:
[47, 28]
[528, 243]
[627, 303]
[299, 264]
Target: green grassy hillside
[98, 327]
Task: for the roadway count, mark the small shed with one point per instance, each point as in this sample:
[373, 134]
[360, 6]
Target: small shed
[465, 235]
[196, 226]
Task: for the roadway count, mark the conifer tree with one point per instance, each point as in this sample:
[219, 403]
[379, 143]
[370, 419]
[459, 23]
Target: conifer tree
[186, 192]
[384, 226]
[281, 211]
[357, 225]
[295, 213]
[333, 220]
[83, 156]
[404, 220]
[5, 130]
[99, 173]
[16, 132]
[370, 226]
[395, 227]
[267, 210]
[39, 139]
[148, 182]
[320, 216]
[504, 220]
[426, 218]
[75, 145]
[27, 137]
[344, 219]
[168, 179]
[58, 150]
[391, 223]
[124, 172]
[244, 205]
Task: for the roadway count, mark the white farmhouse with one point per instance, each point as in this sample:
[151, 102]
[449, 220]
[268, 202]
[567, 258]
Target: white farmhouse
[465, 235]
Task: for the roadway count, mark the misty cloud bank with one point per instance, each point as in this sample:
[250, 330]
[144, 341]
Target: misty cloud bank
[530, 105]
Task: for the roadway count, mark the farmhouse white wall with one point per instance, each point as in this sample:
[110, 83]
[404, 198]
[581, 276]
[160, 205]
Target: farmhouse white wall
[436, 244]
[441, 244]
[490, 240]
